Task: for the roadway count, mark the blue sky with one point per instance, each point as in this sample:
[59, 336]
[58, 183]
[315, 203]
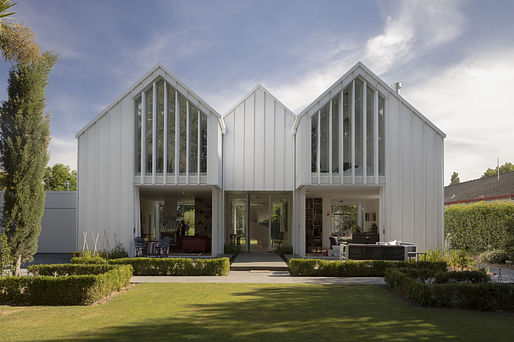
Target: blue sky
[455, 59]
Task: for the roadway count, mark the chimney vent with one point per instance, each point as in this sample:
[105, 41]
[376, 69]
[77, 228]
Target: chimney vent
[397, 86]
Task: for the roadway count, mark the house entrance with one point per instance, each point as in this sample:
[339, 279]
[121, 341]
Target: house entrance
[257, 221]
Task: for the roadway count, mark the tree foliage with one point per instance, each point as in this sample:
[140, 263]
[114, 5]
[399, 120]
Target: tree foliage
[455, 178]
[505, 168]
[24, 138]
[17, 42]
[480, 226]
[60, 177]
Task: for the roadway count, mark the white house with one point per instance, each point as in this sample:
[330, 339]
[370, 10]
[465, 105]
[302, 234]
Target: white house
[160, 161]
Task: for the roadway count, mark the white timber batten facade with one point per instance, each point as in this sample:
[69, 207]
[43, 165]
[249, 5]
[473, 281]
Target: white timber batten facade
[160, 162]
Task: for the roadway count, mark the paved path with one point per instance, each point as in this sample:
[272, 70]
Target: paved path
[507, 274]
[258, 261]
[261, 277]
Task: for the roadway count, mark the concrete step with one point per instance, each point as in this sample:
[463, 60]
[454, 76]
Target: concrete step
[258, 262]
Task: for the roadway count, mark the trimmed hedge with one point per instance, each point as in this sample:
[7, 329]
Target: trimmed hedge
[83, 260]
[474, 290]
[175, 266]
[353, 268]
[64, 290]
[480, 226]
[70, 269]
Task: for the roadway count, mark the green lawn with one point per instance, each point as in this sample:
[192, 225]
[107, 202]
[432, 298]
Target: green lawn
[243, 312]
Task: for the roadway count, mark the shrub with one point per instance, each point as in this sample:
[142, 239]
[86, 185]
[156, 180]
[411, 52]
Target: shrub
[495, 256]
[459, 259]
[5, 253]
[118, 252]
[435, 255]
[354, 268]
[284, 250]
[70, 269]
[89, 259]
[175, 266]
[64, 290]
[480, 226]
[473, 289]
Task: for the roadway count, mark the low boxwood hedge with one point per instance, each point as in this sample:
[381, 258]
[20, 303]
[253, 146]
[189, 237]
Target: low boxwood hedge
[465, 290]
[83, 260]
[353, 268]
[76, 288]
[175, 266]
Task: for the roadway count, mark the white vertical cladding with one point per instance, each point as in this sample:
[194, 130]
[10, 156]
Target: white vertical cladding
[115, 172]
[432, 171]
[439, 200]
[82, 190]
[239, 147]
[353, 130]
[187, 142]
[154, 131]
[102, 180]
[269, 147]
[318, 152]
[92, 181]
[258, 145]
[419, 170]
[394, 183]
[228, 151]
[406, 173]
[375, 135]
[213, 151]
[165, 136]
[279, 154]
[125, 203]
[177, 136]
[364, 142]
[303, 152]
[341, 137]
[199, 145]
[260, 142]
[143, 137]
[330, 142]
[249, 143]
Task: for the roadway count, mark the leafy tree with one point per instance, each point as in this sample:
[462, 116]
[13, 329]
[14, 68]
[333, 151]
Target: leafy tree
[17, 42]
[60, 177]
[5, 253]
[505, 168]
[455, 178]
[24, 138]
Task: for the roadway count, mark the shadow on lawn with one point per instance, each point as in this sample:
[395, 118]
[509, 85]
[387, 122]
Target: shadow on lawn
[310, 313]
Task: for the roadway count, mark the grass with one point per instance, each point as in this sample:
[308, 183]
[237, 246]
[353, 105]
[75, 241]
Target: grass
[250, 312]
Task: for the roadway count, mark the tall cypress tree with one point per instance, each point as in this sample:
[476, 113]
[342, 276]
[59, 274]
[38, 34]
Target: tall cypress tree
[24, 138]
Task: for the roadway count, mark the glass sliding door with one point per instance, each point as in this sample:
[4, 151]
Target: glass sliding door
[237, 221]
[259, 222]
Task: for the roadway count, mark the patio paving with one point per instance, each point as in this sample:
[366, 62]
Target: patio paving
[258, 261]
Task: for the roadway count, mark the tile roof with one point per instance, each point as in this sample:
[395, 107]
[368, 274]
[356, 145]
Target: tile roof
[480, 189]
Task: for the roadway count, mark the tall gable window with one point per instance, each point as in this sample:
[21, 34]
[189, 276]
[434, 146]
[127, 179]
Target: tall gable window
[171, 134]
[348, 135]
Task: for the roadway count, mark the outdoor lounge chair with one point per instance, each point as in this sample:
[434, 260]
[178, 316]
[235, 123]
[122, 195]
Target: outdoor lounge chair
[139, 242]
[164, 248]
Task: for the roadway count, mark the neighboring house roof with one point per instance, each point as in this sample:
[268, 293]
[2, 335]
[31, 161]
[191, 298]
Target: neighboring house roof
[482, 189]
[360, 69]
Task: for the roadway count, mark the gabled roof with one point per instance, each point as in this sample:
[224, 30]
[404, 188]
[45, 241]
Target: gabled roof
[480, 189]
[159, 71]
[361, 70]
[251, 92]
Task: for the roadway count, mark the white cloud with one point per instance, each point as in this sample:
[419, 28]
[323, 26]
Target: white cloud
[472, 102]
[64, 151]
[411, 29]
[415, 29]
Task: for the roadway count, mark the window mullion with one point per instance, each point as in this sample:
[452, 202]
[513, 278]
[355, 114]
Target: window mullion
[364, 133]
[353, 131]
[165, 135]
[143, 137]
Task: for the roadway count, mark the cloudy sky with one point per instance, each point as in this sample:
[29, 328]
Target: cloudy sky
[455, 59]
